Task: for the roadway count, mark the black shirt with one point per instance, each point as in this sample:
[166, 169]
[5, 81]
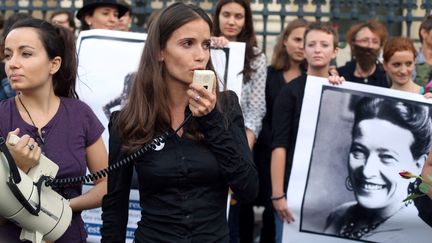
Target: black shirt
[378, 78]
[262, 149]
[286, 117]
[184, 186]
[424, 207]
[274, 84]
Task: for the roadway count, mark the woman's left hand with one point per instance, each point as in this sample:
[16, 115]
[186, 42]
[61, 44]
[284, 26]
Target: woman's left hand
[336, 79]
[428, 95]
[427, 173]
[219, 42]
[201, 101]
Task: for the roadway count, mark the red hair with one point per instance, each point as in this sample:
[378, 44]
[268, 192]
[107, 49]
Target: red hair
[398, 44]
[373, 25]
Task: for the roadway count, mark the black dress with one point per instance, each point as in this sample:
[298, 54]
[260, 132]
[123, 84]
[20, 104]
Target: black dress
[262, 149]
[424, 207]
[286, 118]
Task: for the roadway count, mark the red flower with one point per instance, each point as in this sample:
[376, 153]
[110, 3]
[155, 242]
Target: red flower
[407, 175]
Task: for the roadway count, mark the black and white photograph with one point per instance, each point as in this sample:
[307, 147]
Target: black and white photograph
[228, 64]
[345, 184]
[220, 59]
[106, 58]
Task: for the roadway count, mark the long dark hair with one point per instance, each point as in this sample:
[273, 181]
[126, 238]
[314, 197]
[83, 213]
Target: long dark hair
[247, 34]
[70, 17]
[58, 42]
[147, 112]
[415, 118]
[281, 59]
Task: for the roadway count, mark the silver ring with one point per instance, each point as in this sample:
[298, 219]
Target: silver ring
[31, 147]
[197, 98]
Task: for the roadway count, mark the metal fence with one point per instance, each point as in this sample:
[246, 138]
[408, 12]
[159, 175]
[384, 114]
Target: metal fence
[401, 16]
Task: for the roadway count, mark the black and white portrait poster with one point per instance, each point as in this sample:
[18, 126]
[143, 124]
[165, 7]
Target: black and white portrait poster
[106, 57]
[106, 60]
[352, 142]
[228, 63]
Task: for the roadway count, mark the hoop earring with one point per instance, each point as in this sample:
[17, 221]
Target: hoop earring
[348, 184]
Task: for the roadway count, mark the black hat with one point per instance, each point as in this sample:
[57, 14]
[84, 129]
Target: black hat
[89, 5]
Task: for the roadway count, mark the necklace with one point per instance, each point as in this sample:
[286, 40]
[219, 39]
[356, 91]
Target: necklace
[31, 119]
[351, 230]
[364, 75]
[348, 230]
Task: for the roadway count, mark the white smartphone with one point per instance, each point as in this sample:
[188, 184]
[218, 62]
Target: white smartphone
[204, 77]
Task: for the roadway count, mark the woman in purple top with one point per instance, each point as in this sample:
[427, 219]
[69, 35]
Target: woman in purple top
[41, 65]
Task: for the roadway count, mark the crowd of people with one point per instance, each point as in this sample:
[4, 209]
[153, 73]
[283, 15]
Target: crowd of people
[215, 144]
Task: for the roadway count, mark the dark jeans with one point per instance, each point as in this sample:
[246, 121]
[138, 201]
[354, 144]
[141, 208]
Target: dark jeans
[241, 223]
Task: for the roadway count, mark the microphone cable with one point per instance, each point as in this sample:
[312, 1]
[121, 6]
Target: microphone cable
[125, 161]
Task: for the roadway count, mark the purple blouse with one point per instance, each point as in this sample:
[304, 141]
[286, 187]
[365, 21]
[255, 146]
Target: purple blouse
[66, 136]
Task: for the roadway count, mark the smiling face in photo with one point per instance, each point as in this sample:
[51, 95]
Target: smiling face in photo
[379, 151]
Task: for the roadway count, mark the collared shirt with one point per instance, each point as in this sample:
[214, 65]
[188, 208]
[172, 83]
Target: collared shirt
[184, 186]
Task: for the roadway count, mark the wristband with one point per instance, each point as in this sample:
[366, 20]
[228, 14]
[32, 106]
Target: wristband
[278, 198]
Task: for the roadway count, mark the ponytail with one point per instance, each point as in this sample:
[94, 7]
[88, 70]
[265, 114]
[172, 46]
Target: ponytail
[64, 80]
[58, 42]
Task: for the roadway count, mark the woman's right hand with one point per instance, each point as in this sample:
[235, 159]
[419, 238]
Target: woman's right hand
[336, 79]
[25, 152]
[219, 42]
[284, 213]
[201, 101]
[427, 173]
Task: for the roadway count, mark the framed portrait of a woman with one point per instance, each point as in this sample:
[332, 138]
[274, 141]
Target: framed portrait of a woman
[353, 141]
